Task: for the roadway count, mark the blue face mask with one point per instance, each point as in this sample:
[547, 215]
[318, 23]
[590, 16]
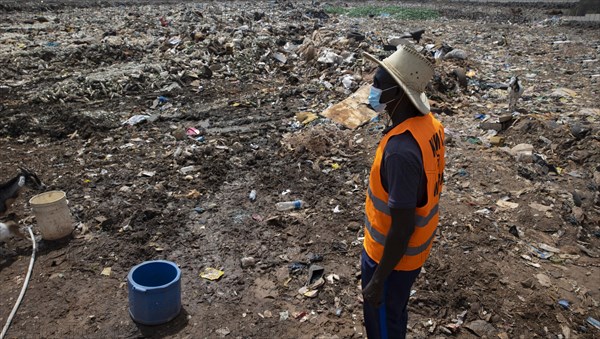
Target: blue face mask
[375, 98]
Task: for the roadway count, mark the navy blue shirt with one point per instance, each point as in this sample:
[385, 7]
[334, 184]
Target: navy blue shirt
[402, 172]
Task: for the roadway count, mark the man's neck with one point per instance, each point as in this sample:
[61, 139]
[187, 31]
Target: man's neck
[397, 119]
[400, 117]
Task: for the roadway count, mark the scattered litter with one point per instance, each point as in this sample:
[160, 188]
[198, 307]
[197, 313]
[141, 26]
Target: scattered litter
[187, 169]
[136, 119]
[307, 292]
[248, 262]
[523, 152]
[175, 41]
[280, 57]
[593, 322]
[497, 141]
[313, 257]
[296, 267]
[541, 254]
[106, 271]
[548, 248]
[315, 272]
[504, 204]
[158, 101]
[290, 205]
[271, 97]
[331, 278]
[192, 131]
[210, 273]
[306, 117]
[458, 322]
[456, 54]
[564, 303]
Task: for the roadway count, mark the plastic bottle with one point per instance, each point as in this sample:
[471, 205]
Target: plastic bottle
[290, 205]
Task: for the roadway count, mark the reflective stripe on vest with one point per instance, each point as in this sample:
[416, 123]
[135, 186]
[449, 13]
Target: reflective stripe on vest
[380, 238]
[429, 134]
[383, 208]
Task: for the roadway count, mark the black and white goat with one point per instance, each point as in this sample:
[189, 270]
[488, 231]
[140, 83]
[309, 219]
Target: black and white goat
[9, 191]
[515, 90]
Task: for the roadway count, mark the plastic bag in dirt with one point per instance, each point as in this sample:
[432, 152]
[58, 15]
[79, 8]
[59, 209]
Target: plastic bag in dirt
[136, 119]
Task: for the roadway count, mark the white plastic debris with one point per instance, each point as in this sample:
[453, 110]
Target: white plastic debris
[136, 119]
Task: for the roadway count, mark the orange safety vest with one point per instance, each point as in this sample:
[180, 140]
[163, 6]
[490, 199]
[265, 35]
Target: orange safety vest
[429, 134]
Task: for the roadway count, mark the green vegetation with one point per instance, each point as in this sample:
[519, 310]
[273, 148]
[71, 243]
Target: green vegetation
[392, 11]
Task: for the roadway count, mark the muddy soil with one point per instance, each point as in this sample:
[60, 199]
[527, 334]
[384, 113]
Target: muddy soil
[69, 85]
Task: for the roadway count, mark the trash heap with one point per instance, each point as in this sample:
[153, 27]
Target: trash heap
[194, 132]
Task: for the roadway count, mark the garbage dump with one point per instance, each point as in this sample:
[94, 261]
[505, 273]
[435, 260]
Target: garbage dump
[232, 138]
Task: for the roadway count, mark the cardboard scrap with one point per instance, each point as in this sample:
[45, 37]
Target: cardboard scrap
[353, 111]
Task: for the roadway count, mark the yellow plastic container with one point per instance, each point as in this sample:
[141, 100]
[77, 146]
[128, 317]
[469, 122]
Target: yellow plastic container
[52, 214]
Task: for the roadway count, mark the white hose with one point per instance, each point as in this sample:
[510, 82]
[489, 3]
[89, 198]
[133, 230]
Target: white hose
[14, 310]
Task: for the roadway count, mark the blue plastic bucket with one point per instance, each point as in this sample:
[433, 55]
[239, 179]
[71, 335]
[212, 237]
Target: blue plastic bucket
[154, 292]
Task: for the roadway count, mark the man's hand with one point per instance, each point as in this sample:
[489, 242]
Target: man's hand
[373, 293]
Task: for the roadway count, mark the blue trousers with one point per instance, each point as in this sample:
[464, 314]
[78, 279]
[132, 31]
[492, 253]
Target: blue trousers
[391, 318]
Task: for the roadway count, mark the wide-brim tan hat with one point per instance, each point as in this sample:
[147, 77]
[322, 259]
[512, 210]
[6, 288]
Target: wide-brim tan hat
[411, 71]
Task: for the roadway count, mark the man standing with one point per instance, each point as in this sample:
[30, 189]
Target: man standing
[404, 191]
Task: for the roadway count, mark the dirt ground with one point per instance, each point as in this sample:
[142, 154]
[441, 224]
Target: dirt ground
[517, 234]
